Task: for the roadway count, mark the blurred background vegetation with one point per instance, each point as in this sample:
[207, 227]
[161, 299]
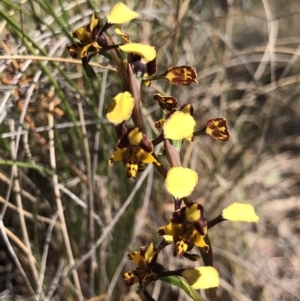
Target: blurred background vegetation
[68, 220]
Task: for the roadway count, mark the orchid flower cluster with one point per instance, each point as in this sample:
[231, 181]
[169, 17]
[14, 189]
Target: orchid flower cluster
[188, 227]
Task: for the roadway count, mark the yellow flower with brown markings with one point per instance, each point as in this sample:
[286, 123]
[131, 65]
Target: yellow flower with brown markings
[188, 227]
[144, 259]
[92, 39]
[134, 148]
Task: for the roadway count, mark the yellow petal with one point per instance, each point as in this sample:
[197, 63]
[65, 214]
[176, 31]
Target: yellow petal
[179, 126]
[124, 36]
[202, 277]
[150, 253]
[95, 23]
[137, 258]
[180, 181]
[146, 157]
[168, 238]
[119, 154]
[82, 34]
[147, 52]
[187, 108]
[171, 229]
[120, 108]
[198, 240]
[120, 14]
[181, 246]
[240, 212]
[192, 213]
[135, 136]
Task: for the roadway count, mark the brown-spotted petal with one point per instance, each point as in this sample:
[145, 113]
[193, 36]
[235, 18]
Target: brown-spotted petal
[181, 247]
[218, 129]
[167, 103]
[132, 167]
[181, 75]
[137, 258]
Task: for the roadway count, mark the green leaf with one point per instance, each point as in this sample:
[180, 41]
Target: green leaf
[182, 284]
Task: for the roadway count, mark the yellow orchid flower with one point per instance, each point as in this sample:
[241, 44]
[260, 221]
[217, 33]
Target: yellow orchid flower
[144, 259]
[188, 228]
[135, 148]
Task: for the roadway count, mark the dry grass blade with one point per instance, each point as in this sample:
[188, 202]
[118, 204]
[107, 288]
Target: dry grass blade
[59, 204]
[39, 291]
[31, 261]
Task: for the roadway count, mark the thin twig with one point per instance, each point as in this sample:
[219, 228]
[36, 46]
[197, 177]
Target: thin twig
[21, 211]
[53, 59]
[59, 203]
[15, 259]
[56, 279]
[39, 291]
[90, 202]
[27, 214]
[47, 128]
[19, 243]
